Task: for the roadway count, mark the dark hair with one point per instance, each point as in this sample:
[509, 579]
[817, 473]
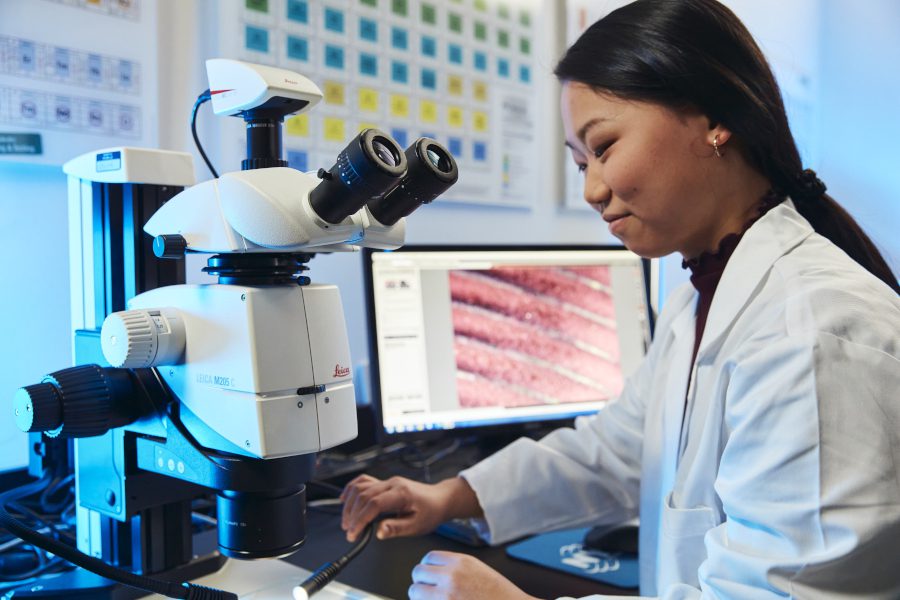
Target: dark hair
[697, 54]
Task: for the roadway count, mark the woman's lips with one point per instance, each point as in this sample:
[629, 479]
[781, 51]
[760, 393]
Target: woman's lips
[616, 222]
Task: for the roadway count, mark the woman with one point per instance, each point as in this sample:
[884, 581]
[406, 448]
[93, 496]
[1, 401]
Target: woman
[758, 442]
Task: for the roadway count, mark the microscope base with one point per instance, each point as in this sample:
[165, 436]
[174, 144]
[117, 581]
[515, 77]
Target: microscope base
[271, 580]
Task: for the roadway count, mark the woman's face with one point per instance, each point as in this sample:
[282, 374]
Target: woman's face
[646, 170]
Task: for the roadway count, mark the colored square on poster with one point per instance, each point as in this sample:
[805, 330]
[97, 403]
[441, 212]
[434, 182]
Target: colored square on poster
[334, 20]
[428, 111]
[503, 10]
[480, 91]
[428, 13]
[480, 121]
[503, 67]
[455, 85]
[334, 129]
[298, 11]
[363, 125]
[297, 48]
[479, 151]
[428, 79]
[95, 64]
[298, 125]
[372, 3]
[503, 38]
[399, 38]
[334, 56]
[62, 65]
[298, 160]
[524, 74]
[524, 45]
[400, 7]
[481, 5]
[368, 29]
[429, 46]
[525, 18]
[455, 54]
[480, 60]
[368, 99]
[257, 5]
[368, 64]
[455, 22]
[400, 136]
[256, 38]
[399, 106]
[455, 146]
[430, 135]
[334, 93]
[481, 33]
[399, 72]
[455, 116]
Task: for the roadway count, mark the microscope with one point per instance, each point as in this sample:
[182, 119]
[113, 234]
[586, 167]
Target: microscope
[229, 387]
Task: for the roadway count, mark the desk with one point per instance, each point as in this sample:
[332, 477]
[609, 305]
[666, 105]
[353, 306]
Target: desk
[384, 567]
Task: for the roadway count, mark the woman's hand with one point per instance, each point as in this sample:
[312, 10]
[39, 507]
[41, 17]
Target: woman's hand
[417, 508]
[452, 576]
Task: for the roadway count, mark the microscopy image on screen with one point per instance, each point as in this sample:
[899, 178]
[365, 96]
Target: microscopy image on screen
[526, 336]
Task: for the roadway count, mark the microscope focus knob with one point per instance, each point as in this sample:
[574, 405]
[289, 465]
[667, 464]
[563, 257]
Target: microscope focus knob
[169, 246]
[143, 338]
[38, 407]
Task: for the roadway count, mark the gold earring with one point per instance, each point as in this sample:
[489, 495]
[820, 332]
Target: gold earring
[716, 146]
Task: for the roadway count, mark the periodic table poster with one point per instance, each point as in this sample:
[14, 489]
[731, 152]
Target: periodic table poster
[62, 92]
[459, 71]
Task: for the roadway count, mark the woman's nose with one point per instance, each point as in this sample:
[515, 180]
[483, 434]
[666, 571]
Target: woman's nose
[596, 192]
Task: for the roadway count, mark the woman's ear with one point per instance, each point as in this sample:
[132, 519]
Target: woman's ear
[718, 134]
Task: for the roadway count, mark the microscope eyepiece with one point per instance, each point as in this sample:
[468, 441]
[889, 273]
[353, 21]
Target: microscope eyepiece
[370, 166]
[432, 170]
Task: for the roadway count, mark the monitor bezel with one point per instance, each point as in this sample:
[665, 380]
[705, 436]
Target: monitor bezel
[505, 430]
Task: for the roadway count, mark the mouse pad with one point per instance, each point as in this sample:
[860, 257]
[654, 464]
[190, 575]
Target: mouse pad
[562, 550]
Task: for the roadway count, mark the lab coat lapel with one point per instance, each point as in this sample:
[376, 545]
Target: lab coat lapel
[767, 240]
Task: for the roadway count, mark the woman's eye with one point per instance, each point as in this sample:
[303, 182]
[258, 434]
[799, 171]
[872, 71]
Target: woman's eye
[600, 150]
[582, 167]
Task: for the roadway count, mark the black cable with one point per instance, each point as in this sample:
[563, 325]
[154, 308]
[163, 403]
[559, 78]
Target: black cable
[327, 572]
[204, 97]
[169, 589]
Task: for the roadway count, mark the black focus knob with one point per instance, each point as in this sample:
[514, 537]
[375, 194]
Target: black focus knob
[38, 407]
[169, 246]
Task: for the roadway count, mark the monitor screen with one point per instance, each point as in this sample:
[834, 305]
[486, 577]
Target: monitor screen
[466, 337]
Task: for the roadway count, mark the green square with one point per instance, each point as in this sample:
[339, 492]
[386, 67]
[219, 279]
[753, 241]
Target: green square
[525, 45]
[455, 22]
[400, 7]
[502, 38]
[503, 10]
[257, 5]
[481, 31]
[481, 5]
[372, 3]
[429, 14]
[525, 18]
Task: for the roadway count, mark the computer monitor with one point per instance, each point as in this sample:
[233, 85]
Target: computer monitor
[483, 338]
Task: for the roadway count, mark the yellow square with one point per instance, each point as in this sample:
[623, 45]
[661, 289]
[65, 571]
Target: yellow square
[480, 121]
[334, 129]
[399, 106]
[368, 99]
[297, 125]
[480, 91]
[428, 111]
[334, 93]
[455, 85]
[455, 116]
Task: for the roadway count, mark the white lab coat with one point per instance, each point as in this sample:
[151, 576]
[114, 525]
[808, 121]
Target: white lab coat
[784, 480]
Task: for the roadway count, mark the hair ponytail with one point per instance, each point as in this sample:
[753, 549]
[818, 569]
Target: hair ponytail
[697, 53]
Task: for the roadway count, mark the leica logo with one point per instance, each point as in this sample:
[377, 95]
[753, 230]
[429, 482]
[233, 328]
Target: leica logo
[290, 81]
[340, 371]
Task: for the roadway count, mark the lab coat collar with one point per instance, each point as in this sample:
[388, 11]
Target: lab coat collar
[775, 234]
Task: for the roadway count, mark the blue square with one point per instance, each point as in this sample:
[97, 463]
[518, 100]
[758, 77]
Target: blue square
[256, 38]
[298, 10]
[297, 48]
[368, 64]
[429, 79]
[298, 160]
[334, 20]
[524, 74]
[479, 151]
[400, 136]
[334, 57]
[481, 61]
[455, 146]
[455, 54]
[429, 134]
[399, 72]
[368, 29]
[503, 67]
[429, 46]
[399, 38]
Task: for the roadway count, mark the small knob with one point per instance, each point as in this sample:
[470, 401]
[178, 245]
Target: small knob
[128, 339]
[169, 246]
[38, 407]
